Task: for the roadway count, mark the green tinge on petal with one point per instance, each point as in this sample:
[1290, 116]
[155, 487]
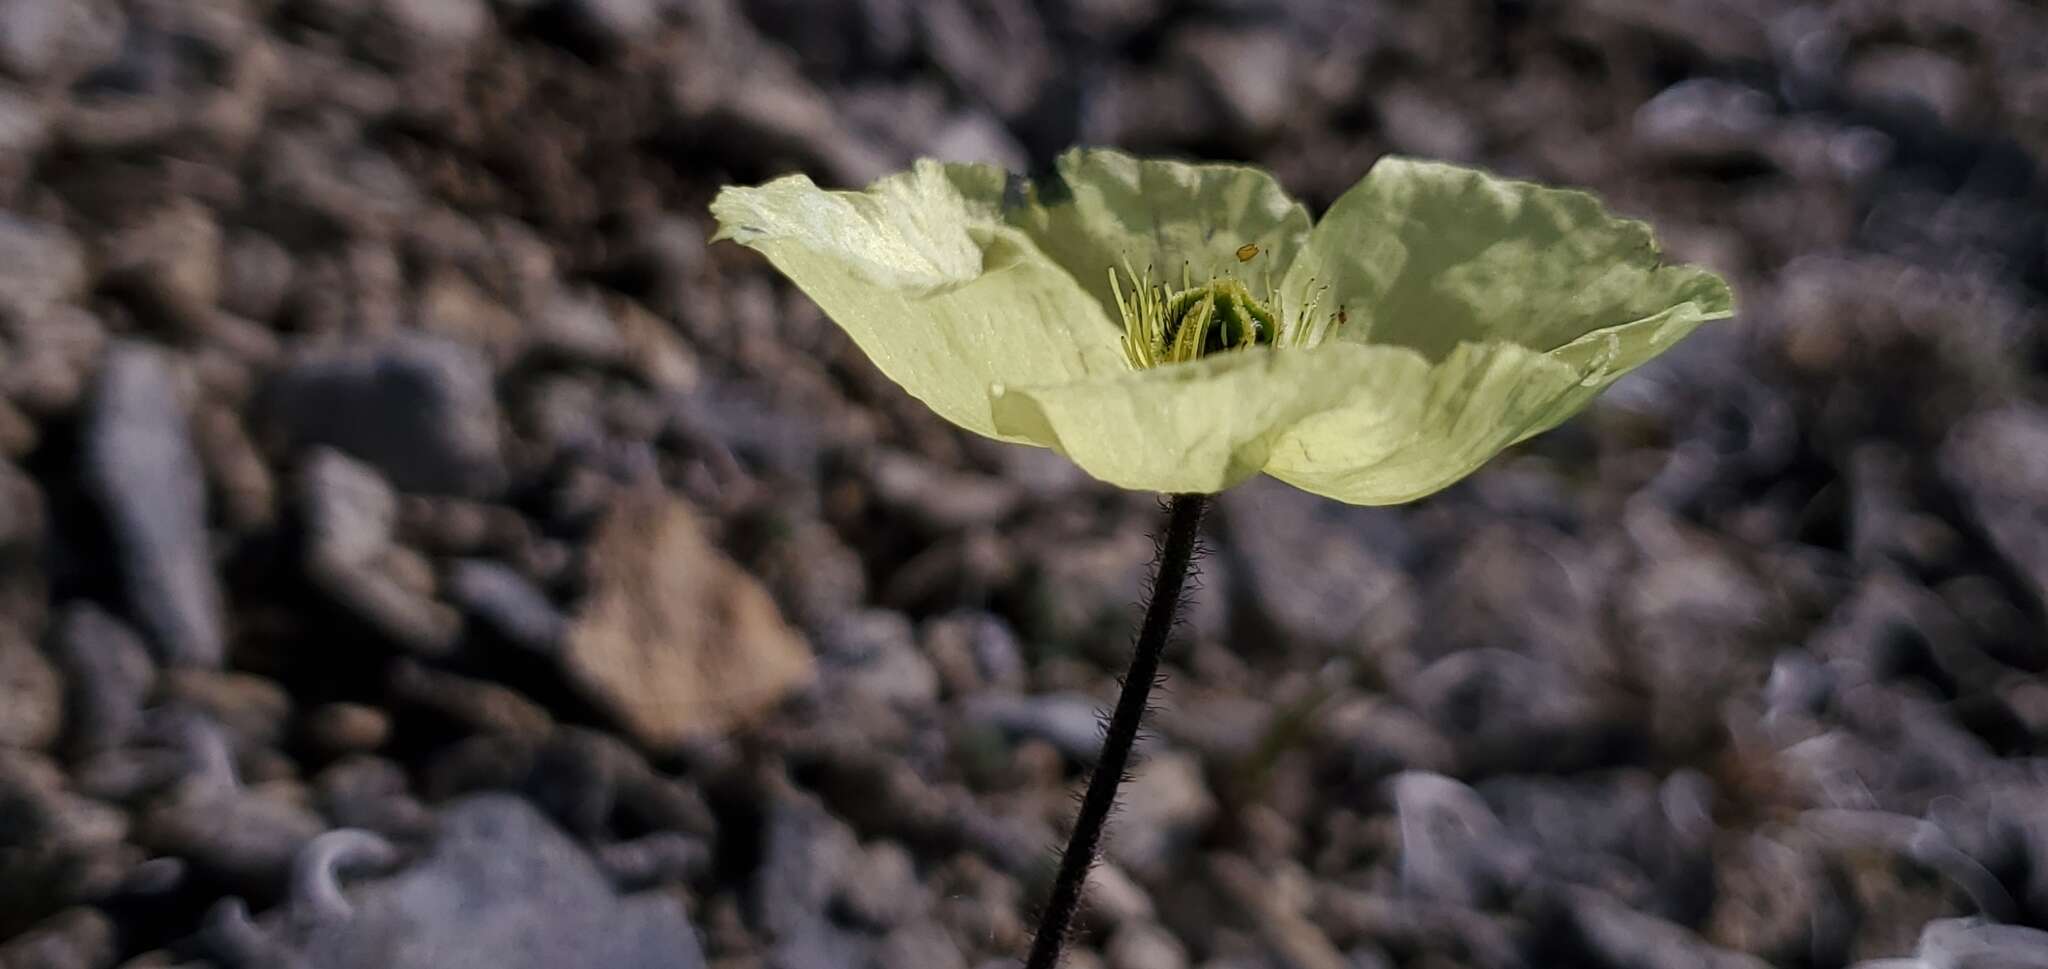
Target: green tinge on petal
[1106, 210]
[921, 273]
[1195, 427]
[1429, 256]
[1412, 429]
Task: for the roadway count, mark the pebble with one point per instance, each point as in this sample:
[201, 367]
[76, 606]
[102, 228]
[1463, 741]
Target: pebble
[108, 677]
[31, 696]
[140, 463]
[673, 639]
[350, 515]
[43, 266]
[420, 410]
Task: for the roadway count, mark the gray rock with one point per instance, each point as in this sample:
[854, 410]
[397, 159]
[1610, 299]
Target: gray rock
[436, 35]
[508, 604]
[972, 136]
[1998, 461]
[31, 696]
[1139, 945]
[256, 273]
[350, 514]
[241, 837]
[140, 464]
[1506, 711]
[77, 938]
[347, 728]
[610, 25]
[806, 856]
[1618, 936]
[874, 653]
[108, 677]
[1453, 849]
[1071, 722]
[24, 133]
[56, 848]
[1705, 121]
[168, 263]
[1977, 944]
[40, 266]
[662, 858]
[974, 651]
[880, 889]
[500, 888]
[419, 409]
[1250, 72]
[1316, 575]
[999, 53]
[373, 794]
[921, 945]
[1163, 811]
[474, 706]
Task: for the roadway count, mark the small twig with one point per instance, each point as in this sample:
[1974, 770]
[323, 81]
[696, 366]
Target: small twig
[1176, 552]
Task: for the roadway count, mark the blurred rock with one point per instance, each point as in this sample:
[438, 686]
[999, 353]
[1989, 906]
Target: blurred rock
[373, 794]
[1913, 77]
[1164, 809]
[920, 945]
[473, 706]
[1616, 936]
[31, 696]
[1071, 722]
[1452, 847]
[1502, 710]
[1705, 121]
[1141, 946]
[1250, 72]
[973, 651]
[1998, 462]
[77, 938]
[673, 639]
[350, 514]
[251, 709]
[420, 410]
[499, 887]
[44, 266]
[997, 52]
[1976, 944]
[806, 855]
[508, 604]
[140, 464]
[56, 848]
[881, 890]
[108, 677]
[169, 263]
[347, 728]
[244, 838]
[875, 654]
[1312, 574]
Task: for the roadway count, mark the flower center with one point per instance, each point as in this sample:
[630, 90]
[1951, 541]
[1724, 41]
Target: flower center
[1163, 325]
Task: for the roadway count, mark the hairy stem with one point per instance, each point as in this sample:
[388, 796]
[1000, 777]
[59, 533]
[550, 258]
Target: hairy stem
[1176, 553]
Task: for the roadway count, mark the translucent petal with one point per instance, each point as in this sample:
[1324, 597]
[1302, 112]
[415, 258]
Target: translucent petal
[921, 272]
[1106, 209]
[1429, 256]
[1409, 431]
[1196, 427]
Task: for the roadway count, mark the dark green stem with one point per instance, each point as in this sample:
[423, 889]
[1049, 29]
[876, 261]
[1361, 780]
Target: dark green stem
[1176, 553]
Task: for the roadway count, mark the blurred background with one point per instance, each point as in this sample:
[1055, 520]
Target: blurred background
[417, 548]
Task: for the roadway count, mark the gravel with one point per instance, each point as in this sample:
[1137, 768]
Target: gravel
[418, 546]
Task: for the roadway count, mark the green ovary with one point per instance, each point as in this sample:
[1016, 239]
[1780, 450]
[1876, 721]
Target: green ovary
[1161, 326]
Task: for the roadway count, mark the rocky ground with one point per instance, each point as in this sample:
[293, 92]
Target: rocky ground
[417, 548]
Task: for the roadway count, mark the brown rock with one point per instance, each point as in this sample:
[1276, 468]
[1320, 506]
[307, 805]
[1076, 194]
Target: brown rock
[674, 639]
[31, 695]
